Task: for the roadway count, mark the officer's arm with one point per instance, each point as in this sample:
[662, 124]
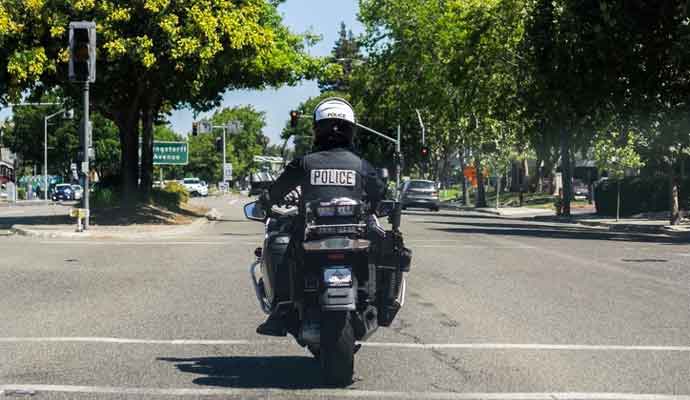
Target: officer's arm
[291, 177]
[373, 185]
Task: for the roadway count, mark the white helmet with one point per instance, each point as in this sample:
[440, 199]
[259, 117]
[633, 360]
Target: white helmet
[334, 123]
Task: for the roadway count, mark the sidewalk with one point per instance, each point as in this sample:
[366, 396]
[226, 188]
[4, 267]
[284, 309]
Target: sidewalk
[517, 212]
[134, 231]
[637, 225]
[26, 203]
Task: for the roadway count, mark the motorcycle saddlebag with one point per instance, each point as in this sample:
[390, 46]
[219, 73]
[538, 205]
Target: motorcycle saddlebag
[393, 255]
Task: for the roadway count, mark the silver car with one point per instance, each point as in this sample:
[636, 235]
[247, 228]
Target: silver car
[420, 194]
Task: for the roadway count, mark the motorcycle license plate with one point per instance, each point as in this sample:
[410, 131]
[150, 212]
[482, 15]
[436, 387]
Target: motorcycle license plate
[337, 276]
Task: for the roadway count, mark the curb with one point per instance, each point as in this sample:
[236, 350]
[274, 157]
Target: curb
[185, 229]
[500, 212]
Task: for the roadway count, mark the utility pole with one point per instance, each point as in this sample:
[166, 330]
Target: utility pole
[82, 69]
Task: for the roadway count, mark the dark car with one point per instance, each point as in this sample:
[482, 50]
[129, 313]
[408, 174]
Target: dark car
[63, 192]
[580, 190]
[420, 194]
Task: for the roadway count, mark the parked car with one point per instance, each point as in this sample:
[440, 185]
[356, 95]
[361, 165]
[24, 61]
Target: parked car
[420, 194]
[78, 192]
[63, 191]
[195, 186]
[580, 190]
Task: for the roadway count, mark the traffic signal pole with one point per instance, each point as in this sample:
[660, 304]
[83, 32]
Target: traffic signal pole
[85, 163]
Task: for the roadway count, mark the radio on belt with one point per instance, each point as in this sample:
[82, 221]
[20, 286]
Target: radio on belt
[333, 177]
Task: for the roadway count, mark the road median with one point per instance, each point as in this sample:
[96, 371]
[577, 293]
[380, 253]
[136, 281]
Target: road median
[134, 231]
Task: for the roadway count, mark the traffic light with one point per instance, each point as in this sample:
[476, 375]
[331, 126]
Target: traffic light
[219, 144]
[195, 128]
[425, 152]
[294, 118]
[82, 52]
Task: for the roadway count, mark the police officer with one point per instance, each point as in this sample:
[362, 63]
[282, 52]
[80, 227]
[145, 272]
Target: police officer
[332, 171]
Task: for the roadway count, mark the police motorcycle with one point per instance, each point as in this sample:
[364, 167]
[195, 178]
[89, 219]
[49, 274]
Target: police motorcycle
[350, 279]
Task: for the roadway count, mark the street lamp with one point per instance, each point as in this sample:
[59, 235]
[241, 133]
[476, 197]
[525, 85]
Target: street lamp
[67, 114]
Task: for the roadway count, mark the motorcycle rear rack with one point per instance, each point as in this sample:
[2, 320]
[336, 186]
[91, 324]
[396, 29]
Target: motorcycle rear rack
[260, 294]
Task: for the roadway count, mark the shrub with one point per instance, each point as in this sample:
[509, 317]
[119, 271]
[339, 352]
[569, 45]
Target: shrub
[105, 198]
[172, 196]
[21, 193]
[638, 195]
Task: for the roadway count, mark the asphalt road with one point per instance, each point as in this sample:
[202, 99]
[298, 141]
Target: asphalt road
[496, 308]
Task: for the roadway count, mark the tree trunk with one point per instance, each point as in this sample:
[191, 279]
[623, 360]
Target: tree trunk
[673, 187]
[146, 153]
[128, 125]
[566, 171]
[540, 176]
[480, 201]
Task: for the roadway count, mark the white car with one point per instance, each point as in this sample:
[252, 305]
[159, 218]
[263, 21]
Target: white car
[78, 192]
[195, 186]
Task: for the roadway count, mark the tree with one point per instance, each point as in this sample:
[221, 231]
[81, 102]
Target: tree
[615, 152]
[345, 55]
[26, 137]
[249, 142]
[153, 56]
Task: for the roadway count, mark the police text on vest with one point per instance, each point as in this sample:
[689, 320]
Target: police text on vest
[332, 177]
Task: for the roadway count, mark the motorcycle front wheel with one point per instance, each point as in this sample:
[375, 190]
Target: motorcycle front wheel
[336, 350]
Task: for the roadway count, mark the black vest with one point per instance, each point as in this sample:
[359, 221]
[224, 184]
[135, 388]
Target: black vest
[332, 174]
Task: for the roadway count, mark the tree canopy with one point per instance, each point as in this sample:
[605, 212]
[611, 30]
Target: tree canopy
[153, 56]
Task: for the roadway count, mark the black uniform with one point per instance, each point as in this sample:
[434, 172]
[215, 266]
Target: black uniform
[323, 175]
[327, 175]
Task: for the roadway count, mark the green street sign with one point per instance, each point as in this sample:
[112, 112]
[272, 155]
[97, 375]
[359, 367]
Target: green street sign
[170, 153]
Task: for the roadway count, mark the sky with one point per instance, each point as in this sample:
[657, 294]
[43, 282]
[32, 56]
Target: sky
[322, 17]
[299, 16]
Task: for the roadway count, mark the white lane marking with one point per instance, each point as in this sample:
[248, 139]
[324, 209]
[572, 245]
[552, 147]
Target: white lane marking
[149, 243]
[334, 393]
[528, 346]
[469, 246]
[233, 202]
[400, 345]
[129, 341]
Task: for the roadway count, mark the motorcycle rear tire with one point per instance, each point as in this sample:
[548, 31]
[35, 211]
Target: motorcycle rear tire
[337, 348]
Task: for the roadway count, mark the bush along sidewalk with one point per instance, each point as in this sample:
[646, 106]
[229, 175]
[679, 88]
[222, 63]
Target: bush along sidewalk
[638, 195]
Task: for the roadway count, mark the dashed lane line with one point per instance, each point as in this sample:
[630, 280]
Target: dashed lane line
[397, 345]
[33, 389]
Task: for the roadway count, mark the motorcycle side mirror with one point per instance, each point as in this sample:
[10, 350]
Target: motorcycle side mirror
[385, 208]
[254, 211]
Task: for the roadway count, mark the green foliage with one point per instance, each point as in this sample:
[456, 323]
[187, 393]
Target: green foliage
[25, 136]
[103, 198]
[21, 193]
[344, 57]
[249, 142]
[616, 153]
[153, 56]
[172, 196]
[638, 195]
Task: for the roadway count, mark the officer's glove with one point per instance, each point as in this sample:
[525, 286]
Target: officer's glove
[265, 200]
